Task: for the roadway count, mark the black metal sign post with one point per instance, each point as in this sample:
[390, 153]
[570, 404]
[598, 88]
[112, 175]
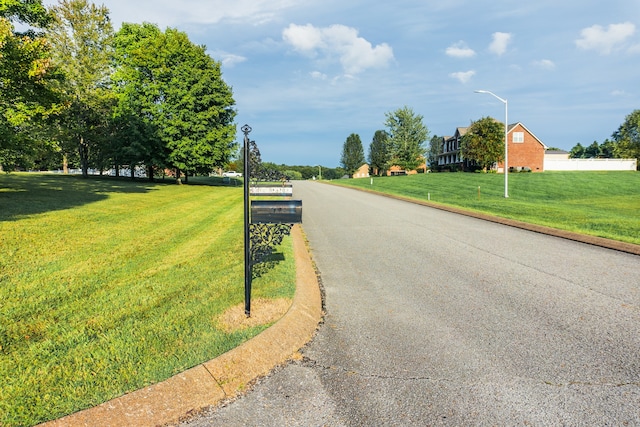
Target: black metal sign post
[246, 129]
[266, 222]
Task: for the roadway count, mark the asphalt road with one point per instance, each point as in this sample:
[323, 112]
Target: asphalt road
[434, 318]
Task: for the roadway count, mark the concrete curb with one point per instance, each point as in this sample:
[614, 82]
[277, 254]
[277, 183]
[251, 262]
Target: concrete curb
[223, 377]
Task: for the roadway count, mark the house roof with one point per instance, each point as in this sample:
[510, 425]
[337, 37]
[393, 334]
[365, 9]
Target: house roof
[461, 131]
[514, 125]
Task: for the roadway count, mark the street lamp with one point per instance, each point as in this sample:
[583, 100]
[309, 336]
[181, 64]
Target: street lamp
[320, 172]
[506, 141]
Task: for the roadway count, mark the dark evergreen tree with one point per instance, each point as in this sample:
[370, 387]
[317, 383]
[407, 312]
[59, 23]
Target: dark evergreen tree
[379, 152]
[352, 154]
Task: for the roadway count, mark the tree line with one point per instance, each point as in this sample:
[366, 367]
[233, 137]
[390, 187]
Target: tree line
[74, 92]
[402, 144]
[624, 143]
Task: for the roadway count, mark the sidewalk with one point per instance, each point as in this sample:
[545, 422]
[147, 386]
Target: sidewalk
[221, 378]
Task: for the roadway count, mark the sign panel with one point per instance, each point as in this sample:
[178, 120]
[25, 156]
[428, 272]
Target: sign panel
[276, 211]
[272, 191]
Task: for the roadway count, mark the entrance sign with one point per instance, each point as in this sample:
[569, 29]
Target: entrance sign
[266, 222]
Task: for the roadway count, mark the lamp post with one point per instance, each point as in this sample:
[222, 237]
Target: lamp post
[320, 172]
[506, 141]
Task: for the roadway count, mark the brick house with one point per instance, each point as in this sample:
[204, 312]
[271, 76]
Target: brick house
[397, 170]
[525, 150]
[362, 171]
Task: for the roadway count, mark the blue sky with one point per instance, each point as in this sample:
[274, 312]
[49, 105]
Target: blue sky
[307, 74]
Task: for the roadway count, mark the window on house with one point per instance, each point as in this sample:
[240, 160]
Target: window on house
[518, 137]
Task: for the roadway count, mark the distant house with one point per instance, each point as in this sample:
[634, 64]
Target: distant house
[451, 156]
[397, 170]
[525, 150]
[362, 171]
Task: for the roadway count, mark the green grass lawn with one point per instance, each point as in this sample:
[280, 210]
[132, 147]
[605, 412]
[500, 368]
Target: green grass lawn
[107, 286]
[604, 204]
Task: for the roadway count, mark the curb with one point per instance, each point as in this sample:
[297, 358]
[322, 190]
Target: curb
[223, 377]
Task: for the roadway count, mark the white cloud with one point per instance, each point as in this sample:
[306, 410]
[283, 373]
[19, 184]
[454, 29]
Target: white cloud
[304, 38]
[547, 64]
[460, 50]
[463, 76]
[227, 59]
[172, 13]
[606, 40]
[499, 43]
[318, 75]
[354, 53]
[619, 93]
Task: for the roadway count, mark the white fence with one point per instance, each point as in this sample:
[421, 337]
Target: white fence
[590, 164]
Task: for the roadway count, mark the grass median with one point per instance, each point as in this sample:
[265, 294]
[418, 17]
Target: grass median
[107, 286]
[603, 204]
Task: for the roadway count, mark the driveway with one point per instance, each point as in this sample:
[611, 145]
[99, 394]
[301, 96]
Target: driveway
[434, 318]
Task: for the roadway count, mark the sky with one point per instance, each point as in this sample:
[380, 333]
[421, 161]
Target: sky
[306, 74]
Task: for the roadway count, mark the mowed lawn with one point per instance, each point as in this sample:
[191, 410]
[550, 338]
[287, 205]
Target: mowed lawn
[107, 286]
[604, 204]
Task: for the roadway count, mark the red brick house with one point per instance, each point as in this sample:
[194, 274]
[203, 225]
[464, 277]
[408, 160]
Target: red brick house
[525, 150]
[362, 171]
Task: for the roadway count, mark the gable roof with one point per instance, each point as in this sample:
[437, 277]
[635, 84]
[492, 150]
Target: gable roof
[514, 125]
[461, 131]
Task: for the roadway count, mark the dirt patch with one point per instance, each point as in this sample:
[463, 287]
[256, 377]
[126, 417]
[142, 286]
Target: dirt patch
[263, 311]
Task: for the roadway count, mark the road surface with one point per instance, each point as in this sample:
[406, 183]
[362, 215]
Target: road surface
[433, 318]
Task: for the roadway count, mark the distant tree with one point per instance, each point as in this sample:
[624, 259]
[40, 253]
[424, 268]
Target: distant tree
[352, 154]
[607, 149]
[293, 174]
[577, 152]
[435, 149]
[627, 137]
[407, 135]
[593, 151]
[81, 35]
[484, 142]
[379, 152]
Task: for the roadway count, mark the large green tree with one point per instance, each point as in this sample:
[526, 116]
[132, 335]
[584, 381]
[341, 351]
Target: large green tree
[379, 152]
[81, 36]
[627, 137]
[484, 142]
[352, 154]
[407, 135]
[27, 81]
[177, 92]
